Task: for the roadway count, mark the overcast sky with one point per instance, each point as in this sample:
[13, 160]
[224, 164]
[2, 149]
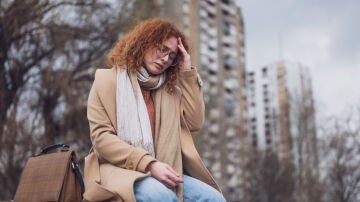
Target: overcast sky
[321, 34]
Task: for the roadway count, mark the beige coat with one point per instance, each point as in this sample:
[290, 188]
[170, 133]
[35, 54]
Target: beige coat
[121, 164]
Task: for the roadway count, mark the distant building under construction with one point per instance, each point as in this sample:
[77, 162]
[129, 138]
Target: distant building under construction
[281, 114]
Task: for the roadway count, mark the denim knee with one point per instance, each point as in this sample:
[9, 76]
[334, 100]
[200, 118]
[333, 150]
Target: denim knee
[149, 189]
[215, 196]
[157, 196]
[196, 190]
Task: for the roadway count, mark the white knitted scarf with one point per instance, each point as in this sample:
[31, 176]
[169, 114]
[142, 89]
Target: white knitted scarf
[132, 117]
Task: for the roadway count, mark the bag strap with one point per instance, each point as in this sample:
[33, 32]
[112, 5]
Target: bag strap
[63, 147]
[78, 175]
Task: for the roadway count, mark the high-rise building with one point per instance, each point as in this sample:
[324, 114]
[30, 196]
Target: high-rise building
[218, 28]
[251, 117]
[274, 114]
[285, 116]
[216, 33]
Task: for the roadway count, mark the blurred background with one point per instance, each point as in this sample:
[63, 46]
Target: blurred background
[280, 87]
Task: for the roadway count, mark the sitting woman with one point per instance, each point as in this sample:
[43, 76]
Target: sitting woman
[141, 113]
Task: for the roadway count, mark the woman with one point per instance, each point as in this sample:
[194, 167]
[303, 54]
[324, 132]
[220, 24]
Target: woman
[141, 114]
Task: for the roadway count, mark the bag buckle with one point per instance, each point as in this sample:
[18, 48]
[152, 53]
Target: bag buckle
[74, 165]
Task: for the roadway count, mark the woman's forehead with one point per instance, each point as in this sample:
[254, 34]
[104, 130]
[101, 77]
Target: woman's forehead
[171, 43]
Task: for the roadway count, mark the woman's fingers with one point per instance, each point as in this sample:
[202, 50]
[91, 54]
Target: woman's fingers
[168, 182]
[176, 177]
[165, 174]
[173, 175]
[180, 43]
[185, 63]
[181, 47]
[172, 180]
[172, 170]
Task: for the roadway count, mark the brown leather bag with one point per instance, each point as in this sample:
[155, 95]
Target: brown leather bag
[52, 175]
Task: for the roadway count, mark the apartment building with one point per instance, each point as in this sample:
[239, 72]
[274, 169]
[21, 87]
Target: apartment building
[215, 30]
[220, 35]
[285, 115]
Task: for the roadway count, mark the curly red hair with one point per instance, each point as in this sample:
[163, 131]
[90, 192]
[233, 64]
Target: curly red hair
[130, 50]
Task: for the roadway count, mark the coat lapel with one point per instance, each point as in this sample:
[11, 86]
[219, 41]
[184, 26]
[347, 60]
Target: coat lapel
[107, 84]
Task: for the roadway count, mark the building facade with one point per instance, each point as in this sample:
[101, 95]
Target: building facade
[270, 109]
[284, 120]
[215, 30]
[218, 28]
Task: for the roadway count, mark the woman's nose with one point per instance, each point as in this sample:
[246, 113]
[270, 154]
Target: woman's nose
[165, 58]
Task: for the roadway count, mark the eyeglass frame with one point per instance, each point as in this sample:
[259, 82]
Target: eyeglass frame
[162, 50]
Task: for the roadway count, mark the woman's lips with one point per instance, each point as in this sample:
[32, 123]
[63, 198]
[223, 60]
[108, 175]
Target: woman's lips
[158, 66]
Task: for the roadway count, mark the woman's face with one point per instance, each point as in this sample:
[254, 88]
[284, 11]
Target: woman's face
[161, 57]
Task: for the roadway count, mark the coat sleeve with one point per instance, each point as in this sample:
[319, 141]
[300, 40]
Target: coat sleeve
[105, 140]
[192, 99]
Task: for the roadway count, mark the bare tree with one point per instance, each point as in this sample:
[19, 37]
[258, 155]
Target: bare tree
[270, 180]
[342, 158]
[49, 50]
[254, 182]
[278, 179]
[305, 141]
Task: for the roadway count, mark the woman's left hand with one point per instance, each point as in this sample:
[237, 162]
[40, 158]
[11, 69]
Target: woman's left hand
[185, 60]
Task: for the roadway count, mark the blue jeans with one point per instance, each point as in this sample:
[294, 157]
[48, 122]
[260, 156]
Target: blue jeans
[150, 189]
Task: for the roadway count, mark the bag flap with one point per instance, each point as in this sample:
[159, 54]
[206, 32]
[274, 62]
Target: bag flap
[43, 177]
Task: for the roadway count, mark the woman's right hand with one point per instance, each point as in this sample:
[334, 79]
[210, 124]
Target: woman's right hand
[165, 174]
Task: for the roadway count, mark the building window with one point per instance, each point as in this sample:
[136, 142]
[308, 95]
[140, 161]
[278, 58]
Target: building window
[210, 15]
[264, 70]
[225, 12]
[266, 109]
[267, 132]
[226, 1]
[254, 143]
[211, 72]
[267, 125]
[227, 67]
[226, 45]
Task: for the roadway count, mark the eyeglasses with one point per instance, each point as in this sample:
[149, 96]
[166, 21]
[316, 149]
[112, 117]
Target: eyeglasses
[163, 51]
